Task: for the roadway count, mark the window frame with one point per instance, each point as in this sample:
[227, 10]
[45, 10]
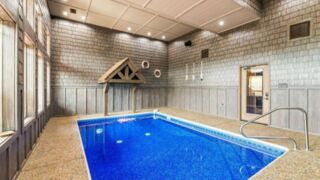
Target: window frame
[48, 84]
[40, 94]
[48, 41]
[28, 119]
[27, 4]
[5, 136]
[40, 25]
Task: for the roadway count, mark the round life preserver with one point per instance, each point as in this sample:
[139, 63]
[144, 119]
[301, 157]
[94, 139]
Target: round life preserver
[157, 73]
[145, 64]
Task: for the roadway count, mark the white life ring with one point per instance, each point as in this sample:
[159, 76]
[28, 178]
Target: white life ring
[157, 73]
[145, 64]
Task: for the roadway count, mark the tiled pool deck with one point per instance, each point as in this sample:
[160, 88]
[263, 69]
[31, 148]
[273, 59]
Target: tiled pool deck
[58, 153]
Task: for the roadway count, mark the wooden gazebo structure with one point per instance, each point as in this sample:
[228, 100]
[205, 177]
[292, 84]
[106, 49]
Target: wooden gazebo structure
[123, 72]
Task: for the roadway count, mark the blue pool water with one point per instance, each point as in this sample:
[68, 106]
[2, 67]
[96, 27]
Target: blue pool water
[141, 147]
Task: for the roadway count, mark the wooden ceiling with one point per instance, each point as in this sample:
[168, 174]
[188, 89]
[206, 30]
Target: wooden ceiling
[160, 19]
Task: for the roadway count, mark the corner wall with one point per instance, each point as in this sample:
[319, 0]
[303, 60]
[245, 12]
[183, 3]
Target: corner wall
[295, 63]
[81, 53]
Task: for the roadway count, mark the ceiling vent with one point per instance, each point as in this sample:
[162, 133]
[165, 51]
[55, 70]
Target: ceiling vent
[73, 11]
[204, 53]
[299, 30]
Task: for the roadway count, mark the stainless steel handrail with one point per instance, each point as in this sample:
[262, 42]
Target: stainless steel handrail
[306, 131]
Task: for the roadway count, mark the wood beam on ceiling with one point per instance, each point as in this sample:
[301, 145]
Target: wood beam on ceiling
[151, 19]
[146, 3]
[220, 17]
[87, 11]
[121, 15]
[189, 9]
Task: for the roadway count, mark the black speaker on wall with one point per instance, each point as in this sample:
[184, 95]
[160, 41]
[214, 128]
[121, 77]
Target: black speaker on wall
[188, 43]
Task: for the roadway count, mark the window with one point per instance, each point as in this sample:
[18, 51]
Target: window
[40, 83]
[255, 91]
[39, 24]
[25, 6]
[28, 11]
[7, 74]
[48, 84]
[29, 80]
[48, 43]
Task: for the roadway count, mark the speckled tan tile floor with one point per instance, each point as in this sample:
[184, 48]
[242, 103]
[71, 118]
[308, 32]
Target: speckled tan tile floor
[58, 152]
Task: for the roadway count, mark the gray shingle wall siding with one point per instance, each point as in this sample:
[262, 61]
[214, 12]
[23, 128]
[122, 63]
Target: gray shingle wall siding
[296, 63]
[82, 53]
[266, 41]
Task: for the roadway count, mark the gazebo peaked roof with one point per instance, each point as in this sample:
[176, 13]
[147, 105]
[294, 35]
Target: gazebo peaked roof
[123, 71]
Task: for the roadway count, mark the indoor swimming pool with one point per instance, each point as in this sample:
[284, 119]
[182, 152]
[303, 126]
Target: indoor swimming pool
[158, 146]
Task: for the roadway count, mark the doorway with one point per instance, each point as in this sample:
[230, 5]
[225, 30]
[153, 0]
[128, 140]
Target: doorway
[255, 92]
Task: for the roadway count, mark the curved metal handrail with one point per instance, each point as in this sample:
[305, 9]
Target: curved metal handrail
[306, 131]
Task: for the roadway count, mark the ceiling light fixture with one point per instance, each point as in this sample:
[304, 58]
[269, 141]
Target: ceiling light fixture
[149, 33]
[163, 37]
[83, 17]
[129, 28]
[65, 13]
[221, 23]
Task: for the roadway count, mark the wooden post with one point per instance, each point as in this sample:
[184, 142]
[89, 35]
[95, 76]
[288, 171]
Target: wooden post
[105, 99]
[133, 100]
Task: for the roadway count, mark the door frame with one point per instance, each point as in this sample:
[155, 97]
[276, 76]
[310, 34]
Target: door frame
[240, 94]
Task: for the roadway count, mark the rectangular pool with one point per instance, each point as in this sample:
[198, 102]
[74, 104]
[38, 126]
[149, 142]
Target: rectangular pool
[158, 146]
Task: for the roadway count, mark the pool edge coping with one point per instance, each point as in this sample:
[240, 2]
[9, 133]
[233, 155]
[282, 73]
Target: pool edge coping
[228, 132]
[83, 152]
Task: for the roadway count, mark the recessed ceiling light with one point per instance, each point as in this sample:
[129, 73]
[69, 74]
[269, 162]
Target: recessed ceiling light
[129, 28]
[149, 33]
[221, 23]
[65, 13]
[83, 17]
[163, 37]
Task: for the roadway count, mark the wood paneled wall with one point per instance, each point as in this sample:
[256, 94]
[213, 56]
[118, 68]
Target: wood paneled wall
[216, 101]
[306, 98]
[17, 148]
[224, 102]
[89, 100]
